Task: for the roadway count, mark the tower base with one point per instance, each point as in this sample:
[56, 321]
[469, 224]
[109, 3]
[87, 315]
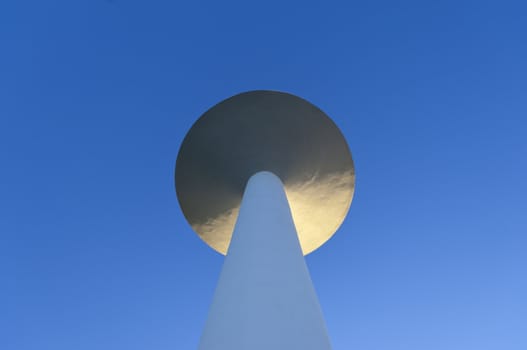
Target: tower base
[264, 298]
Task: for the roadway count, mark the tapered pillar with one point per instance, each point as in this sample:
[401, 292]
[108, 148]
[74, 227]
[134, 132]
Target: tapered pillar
[264, 298]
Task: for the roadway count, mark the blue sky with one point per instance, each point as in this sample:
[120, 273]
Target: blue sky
[96, 96]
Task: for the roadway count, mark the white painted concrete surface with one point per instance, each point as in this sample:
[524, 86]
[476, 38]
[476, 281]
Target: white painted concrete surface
[264, 298]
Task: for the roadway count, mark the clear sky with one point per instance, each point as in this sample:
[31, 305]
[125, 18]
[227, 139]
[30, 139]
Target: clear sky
[96, 96]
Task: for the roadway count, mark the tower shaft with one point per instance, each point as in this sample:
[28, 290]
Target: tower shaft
[264, 298]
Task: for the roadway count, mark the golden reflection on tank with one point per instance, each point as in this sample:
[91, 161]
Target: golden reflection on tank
[264, 131]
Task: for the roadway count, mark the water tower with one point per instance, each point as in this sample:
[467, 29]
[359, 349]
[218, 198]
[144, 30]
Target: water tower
[264, 177]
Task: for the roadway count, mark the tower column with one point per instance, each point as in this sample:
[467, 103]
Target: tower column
[264, 298]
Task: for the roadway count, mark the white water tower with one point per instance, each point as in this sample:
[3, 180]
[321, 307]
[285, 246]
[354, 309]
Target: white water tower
[264, 177]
